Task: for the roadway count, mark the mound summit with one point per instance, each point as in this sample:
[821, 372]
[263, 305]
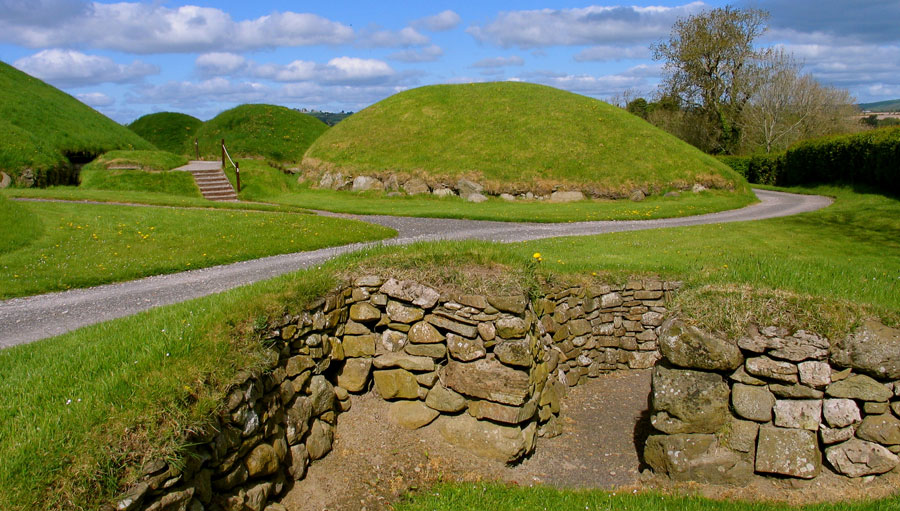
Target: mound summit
[169, 131]
[514, 137]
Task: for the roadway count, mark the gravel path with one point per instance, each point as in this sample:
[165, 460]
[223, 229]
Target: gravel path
[24, 320]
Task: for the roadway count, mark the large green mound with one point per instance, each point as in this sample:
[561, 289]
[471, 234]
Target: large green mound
[169, 131]
[43, 128]
[514, 136]
[272, 132]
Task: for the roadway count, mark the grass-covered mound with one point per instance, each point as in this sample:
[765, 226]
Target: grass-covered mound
[43, 128]
[137, 160]
[272, 132]
[515, 136]
[169, 131]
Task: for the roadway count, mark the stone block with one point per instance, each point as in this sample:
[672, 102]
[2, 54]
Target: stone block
[411, 414]
[404, 361]
[502, 413]
[687, 401]
[396, 384]
[354, 374]
[815, 374]
[487, 331]
[752, 402]
[489, 379]
[689, 347]
[403, 314]
[765, 367]
[320, 439]
[358, 345]
[834, 435]
[515, 353]
[696, 458]
[465, 349]
[795, 391]
[858, 458]
[364, 312]
[801, 346]
[455, 325]
[436, 351]
[512, 304]
[424, 333]
[840, 413]
[511, 328]
[391, 341]
[445, 400]
[483, 438]
[873, 349]
[790, 452]
[411, 292]
[859, 387]
[882, 429]
[798, 413]
[261, 461]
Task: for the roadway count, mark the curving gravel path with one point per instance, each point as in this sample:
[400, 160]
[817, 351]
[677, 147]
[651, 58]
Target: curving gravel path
[28, 319]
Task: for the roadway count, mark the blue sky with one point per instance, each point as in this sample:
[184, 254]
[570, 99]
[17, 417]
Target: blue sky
[128, 59]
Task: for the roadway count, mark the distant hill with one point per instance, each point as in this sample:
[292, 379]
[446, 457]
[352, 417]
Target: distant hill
[268, 131]
[44, 129]
[891, 105]
[329, 118]
[512, 136]
[169, 131]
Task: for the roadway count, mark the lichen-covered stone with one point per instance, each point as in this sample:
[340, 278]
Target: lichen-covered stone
[299, 461]
[798, 413]
[489, 379]
[412, 292]
[873, 349]
[364, 312]
[455, 325]
[860, 387]
[515, 353]
[358, 345]
[511, 328]
[391, 341]
[464, 348]
[434, 351]
[696, 458]
[765, 367]
[445, 400]
[689, 347]
[261, 461]
[513, 304]
[752, 402]
[403, 314]
[404, 361]
[795, 391]
[741, 435]
[396, 384]
[321, 395]
[411, 414]
[883, 429]
[354, 374]
[790, 452]
[319, 441]
[687, 401]
[496, 412]
[424, 333]
[484, 438]
[840, 413]
[814, 373]
[802, 346]
[858, 458]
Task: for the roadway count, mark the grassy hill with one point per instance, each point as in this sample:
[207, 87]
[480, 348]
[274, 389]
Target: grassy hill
[169, 131]
[510, 135]
[891, 105]
[272, 132]
[43, 128]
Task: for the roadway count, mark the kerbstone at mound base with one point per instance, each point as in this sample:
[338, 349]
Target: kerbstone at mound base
[688, 401]
[502, 443]
[873, 349]
[566, 196]
[690, 347]
[858, 458]
[790, 452]
[696, 458]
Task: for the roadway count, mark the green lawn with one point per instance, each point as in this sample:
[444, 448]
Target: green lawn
[143, 378]
[80, 245]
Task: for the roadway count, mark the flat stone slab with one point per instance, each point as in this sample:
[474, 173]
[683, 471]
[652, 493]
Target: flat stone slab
[197, 165]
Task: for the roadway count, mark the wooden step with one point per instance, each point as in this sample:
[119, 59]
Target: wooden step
[214, 185]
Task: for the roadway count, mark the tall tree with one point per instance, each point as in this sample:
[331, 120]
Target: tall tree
[712, 67]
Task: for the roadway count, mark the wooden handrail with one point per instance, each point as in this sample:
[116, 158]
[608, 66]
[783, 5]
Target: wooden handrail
[237, 169]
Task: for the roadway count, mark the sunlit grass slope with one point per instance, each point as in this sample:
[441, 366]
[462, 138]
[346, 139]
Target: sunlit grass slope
[512, 135]
[169, 131]
[272, 132]
[40, 125]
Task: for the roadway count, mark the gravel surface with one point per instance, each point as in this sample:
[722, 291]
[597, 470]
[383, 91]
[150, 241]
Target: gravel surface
[28, 319]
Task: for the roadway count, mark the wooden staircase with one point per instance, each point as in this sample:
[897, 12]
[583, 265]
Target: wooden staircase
[211, 180]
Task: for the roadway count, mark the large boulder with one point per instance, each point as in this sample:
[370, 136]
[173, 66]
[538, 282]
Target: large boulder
[752, 402]
[409, 291]
[489, 379]
[396, 383]
[411, 414]
[484, 438]
[790, 452]
[688, 346]
[859, 387]
[366, 183]
[873, 349]
[686, 401]
[884, 429]
[858, 458]
[696, 458]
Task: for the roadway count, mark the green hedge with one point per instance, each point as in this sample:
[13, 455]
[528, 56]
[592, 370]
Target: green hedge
[870, 158]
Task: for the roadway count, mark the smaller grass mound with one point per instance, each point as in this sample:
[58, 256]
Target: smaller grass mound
[261, 131]
[137, 160]
[139, 171]
[169, 131]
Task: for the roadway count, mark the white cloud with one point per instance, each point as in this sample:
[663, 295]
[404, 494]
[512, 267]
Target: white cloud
[96, 99]
[606, 53]
[590, 85]
[219, 63]
[69, 68]
[497, 62]
[446, 20]
[349, 70]
[403, 38]
[152, 28]
[426, 54]
[194, 95]
[591, 25]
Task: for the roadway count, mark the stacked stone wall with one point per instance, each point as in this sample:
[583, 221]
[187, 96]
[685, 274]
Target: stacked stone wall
[775, 403]
[496, 367]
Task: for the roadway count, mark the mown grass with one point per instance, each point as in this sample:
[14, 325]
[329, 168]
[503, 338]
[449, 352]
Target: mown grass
[169, 131]
[518, 135]
[86, 244]
[165, 183]
[61, 454]
[268, 131]
[499, 497]
[41, 125]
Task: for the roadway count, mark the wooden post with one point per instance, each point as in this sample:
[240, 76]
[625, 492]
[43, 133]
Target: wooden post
[197, 147]
[237, 172]
[223, 155]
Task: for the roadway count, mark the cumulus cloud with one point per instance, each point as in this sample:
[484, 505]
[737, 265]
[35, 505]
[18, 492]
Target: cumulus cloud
[498, 62]
[337, 71]
[868, 21]
[95, 99]
[606, 53]
[69, 68]
[153, 28]
[593, 25]
[194, 95]
[219, 63]
[446, 20]
[426, 54]
[635, 78]
[41, 12]
[403, 38]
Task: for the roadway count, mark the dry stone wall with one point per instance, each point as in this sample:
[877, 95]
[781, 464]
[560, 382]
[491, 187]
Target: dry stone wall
[775, 403]
[496, 366]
